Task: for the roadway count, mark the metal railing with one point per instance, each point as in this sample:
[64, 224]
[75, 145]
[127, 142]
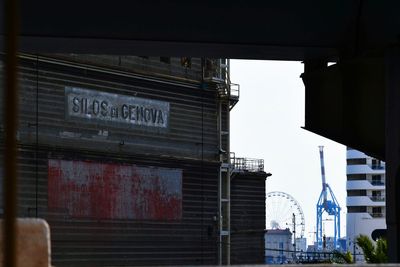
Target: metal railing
[217, 71]
[248, 164]
[377, 198]
[377, 166]
[377, 215]
[235, 90]
[377, 182]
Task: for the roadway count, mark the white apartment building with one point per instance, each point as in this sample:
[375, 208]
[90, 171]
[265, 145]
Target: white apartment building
[366, 210]
[278, 246]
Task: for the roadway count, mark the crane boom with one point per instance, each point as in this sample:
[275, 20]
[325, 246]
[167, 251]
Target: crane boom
[329, 205]
[321, 156]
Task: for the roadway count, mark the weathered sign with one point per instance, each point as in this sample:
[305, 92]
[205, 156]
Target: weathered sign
[106, 107]
[85, 189]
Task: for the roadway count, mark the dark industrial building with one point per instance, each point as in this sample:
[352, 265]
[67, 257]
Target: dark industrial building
[248, 212]
[128, 160]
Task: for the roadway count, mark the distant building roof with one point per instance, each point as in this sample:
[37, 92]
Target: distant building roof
[278, 231]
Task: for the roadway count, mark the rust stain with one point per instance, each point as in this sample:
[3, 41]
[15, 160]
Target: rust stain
[114, 191]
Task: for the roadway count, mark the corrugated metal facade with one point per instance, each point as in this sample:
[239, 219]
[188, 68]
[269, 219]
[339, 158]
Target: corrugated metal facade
[186, 151]
[97, 230]
[142, 65]
[192, 131]
[247, 217]
[89, 241]
[87, 189]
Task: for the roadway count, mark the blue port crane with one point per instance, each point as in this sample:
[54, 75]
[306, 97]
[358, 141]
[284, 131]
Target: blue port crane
[327, 203]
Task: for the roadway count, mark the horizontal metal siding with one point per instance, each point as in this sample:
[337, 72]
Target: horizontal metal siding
[191, 141]
[192, 137]
[90, 242]
[152, 65]
[247, 218]
[192, 129]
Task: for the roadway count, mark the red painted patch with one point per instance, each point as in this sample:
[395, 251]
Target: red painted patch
[113, 191]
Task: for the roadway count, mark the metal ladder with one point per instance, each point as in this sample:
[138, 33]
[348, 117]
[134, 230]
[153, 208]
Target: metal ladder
[217, 71]
[225, 170]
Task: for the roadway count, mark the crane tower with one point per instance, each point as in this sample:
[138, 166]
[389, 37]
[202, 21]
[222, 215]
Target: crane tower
[327, 203]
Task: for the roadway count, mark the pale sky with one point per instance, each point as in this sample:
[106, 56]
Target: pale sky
[266, 123]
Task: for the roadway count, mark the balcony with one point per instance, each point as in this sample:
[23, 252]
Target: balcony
[235, 90]
[364, 201]
[377, 215]
[377, 198]
[377, 166]
[365, 169]
[378, 183]
[365, 185]
[233, 94]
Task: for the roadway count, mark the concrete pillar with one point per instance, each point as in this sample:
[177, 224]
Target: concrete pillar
[32, 243]
[392, 154]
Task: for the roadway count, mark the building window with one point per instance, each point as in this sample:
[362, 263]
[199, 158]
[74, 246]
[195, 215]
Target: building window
[376, 193]
[356, 177]
[356, 209]
[377, 196]
[356, 161]
[377, 180]
[356, 193]
[186, 62]
[376, 164]
[166, 60]
[377, 212]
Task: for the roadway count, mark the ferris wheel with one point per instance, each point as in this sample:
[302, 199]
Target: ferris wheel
[280, 208]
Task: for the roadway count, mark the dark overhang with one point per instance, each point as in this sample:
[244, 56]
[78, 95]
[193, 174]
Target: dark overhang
[332, 30]
[346, 103]
[282, 30]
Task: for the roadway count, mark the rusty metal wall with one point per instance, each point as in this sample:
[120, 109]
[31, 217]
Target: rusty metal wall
[247, 217]
[82, 240]
[87, 189]
[191, 131]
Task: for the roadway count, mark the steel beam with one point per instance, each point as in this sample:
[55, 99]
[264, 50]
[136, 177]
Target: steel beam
[10, 128]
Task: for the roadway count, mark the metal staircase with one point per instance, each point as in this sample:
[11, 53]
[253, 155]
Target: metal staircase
[217, 71]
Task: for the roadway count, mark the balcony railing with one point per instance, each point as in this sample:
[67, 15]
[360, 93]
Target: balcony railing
[235, 90]
[377, 182]
[377, 215]
[377, 167]
[377, 198]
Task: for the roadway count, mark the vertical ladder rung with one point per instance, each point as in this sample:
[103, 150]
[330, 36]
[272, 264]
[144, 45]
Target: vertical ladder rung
[224, 232]
[225, 166]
